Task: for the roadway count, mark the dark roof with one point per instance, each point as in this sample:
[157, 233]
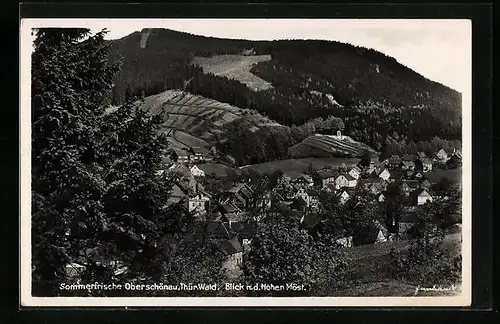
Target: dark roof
[229, 247]
[413, 183]
[425, 160]
[218, 229]
[198, 150]
[229, 208]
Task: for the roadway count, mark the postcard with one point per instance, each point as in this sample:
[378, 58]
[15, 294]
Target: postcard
[245, 162]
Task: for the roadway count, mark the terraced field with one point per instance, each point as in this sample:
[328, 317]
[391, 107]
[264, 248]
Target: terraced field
[192, 121]
[327, 146]
[235, 67]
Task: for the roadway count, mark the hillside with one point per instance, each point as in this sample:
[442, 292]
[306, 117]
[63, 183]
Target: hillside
[327, 146]
[235, 67]
[195, 121]
[297, 81]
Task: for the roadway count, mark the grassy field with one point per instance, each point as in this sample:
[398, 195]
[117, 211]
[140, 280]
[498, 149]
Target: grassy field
[294, 166]
[220, 170]
[194, 119]
[235, 67]
[451, 174]
[327, 145]
[369, 278]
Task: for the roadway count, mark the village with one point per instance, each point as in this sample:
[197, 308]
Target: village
[233, 212]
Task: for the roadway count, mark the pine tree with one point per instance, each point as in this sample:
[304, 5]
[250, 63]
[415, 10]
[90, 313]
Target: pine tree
[96, 199]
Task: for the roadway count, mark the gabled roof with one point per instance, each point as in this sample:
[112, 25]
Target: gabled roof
[245, 229]
[420, 191]
[229, 247]
[413, 183]
[420, 155]
[356, 168]
[311, 192]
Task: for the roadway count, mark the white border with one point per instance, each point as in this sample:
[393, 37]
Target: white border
[26, 299]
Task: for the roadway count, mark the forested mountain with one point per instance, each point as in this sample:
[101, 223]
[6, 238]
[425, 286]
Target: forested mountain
[377, 98]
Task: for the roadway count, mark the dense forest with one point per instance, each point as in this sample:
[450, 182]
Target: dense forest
[378, 99]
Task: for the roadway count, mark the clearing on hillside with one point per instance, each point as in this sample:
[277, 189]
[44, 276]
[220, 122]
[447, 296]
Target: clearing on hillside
[194, 121]
[235, 67]
[319, 145]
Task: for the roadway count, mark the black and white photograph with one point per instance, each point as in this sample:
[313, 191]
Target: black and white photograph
[245, 162]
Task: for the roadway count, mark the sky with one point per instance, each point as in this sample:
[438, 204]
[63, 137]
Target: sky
[440, 50]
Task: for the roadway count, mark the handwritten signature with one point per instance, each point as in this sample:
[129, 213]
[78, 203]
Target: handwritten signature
[435, 288]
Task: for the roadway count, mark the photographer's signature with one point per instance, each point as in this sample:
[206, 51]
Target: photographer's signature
[435, 288]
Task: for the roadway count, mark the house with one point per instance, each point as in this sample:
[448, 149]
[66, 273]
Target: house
[351, 181]
[343, 196]
[417, 175]
[407, 165]
[425, 183]
[241, 195]
[384, 174]
[441, 156]
[180, 156]
[196, 171]
[245, 231]
[373, 187]
[423, 164]
[304, 180]
[284, 179]
[298, 203]
[408, 186]
[341, 181]
[197, 154]
[380, 197]
[371, 234]
[355, 172]
[454, 161]
[421, 196]
[264, 201]
[198, 203]
[229, 214]
[394, 161]
[345, 241]
[323, 178]
[233, 253]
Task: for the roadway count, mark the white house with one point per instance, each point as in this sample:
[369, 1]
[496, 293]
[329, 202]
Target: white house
[422, 196]
[343, 197]
[197, 172]
[441, 155]
[341, 181]
[198, 203]
[355, 172]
